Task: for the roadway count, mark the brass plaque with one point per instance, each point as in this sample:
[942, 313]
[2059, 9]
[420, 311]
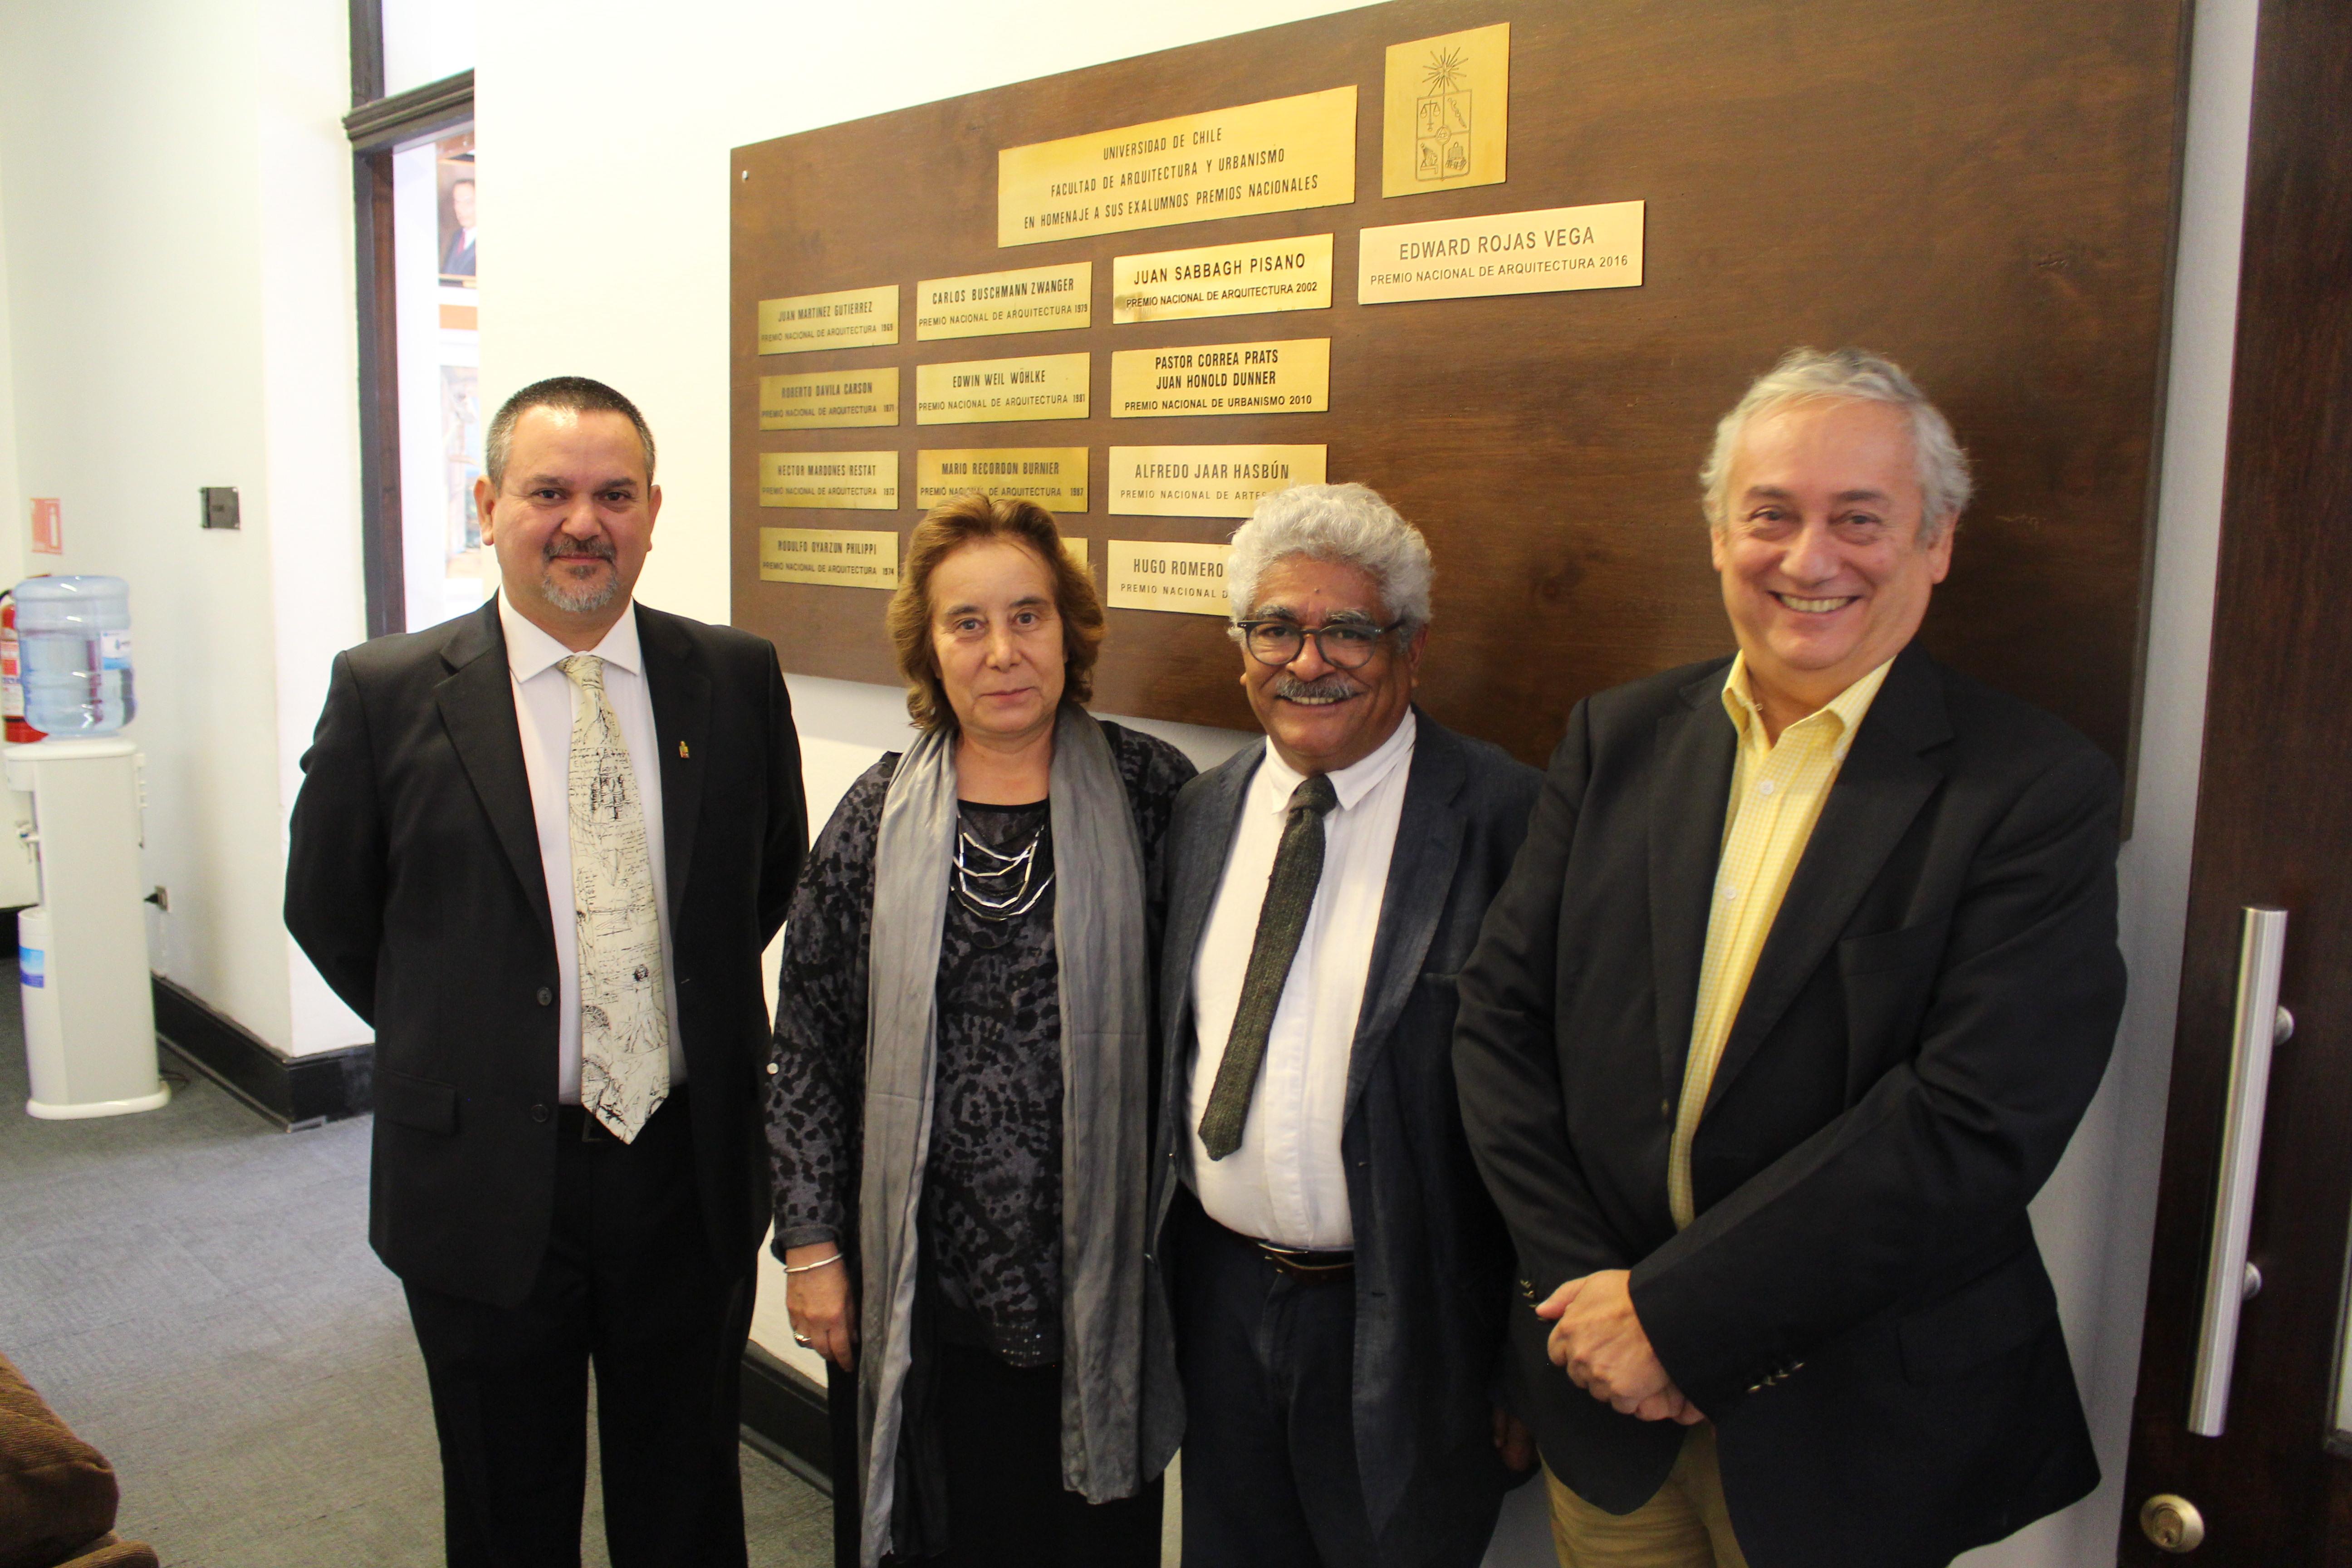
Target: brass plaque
[866, 481]
[2073, 128]
[1189, 579]
[1245, 279]
[1292, 376]
[1053, 476]
[983, 391]
[829, 399]
[1073, 545]
[1502, 253]
[1271, 157]
[1445, 111]
[1025, 300]
[849, 319]
[839, 558]
[1206, 481]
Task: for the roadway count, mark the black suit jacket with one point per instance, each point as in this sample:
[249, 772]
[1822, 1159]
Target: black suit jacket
[1433, 1263]
[414, 883]
[1859, 1304]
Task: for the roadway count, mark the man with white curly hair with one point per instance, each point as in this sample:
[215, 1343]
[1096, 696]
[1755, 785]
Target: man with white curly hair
[1799, 986]
[1339, 1277]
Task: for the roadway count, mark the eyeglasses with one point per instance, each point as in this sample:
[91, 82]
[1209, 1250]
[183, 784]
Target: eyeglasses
[1347, 645]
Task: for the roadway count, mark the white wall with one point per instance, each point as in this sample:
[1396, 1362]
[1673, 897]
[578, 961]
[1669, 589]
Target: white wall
[16, 536]
[311, 422]
[425, 40]
[19, 883]
[177, 213]
[643, 304]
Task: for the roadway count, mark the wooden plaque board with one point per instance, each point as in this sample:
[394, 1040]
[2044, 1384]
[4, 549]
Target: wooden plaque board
[1984, 190]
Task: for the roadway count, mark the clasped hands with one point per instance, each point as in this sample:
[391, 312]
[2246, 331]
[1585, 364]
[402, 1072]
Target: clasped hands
[1599, 1341]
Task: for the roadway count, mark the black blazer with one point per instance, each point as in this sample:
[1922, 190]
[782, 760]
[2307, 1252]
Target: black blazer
[414, 883]
[1433, 1263]
[1860, 1305]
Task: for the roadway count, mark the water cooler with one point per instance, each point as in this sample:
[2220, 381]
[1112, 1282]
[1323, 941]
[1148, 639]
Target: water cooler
[89, 1011]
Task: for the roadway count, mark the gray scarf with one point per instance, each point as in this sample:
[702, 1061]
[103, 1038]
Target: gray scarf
[1104, 963]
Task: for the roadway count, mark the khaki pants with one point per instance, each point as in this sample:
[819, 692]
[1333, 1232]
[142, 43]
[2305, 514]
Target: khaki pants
[1686, 1525]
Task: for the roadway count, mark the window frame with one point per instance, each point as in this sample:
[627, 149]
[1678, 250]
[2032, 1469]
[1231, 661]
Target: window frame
[376, 126]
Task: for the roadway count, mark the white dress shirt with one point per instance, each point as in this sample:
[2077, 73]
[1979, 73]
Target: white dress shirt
[544, 697]
[1286, 1184]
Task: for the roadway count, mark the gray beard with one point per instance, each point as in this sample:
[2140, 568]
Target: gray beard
[577, 602]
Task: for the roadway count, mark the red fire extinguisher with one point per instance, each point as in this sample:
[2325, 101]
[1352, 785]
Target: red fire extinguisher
[11, 676]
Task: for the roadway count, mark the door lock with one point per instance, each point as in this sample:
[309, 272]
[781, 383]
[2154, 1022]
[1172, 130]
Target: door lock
[2172, 1522]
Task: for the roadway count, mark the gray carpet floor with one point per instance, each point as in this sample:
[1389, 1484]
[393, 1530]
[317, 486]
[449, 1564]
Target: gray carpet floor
[192, 1289]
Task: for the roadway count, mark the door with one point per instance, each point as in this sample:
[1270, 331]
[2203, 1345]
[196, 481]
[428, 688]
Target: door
[2241, 1441]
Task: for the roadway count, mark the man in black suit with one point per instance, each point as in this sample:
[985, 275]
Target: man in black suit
[1790, 1005]
[458, 257]
[567, 1109]
[1338, 1275]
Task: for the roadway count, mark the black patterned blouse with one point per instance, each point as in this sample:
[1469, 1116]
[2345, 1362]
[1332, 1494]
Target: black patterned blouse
[992, 1206]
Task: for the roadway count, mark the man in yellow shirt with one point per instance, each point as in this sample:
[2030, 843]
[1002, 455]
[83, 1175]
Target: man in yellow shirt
[1797, 992]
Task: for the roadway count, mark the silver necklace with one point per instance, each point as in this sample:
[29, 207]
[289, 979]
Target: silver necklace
[990, 890]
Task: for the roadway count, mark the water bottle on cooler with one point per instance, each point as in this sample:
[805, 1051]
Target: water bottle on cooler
[74, 638]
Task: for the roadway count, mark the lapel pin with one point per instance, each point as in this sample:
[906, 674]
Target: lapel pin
[681, 748]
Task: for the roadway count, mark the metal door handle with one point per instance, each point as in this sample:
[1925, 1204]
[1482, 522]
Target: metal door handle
[2260, 1023]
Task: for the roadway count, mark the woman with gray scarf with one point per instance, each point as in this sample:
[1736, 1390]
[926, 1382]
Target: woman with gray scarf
[961, 1077]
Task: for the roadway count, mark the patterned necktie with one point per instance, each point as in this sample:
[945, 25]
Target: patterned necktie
[1281, 919]
[623, 1023]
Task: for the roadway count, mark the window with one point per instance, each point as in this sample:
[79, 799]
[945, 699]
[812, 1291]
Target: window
[418, 211]
[434, 211]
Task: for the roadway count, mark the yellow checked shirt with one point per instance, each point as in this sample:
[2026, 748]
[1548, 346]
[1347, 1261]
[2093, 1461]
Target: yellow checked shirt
[1777, 791]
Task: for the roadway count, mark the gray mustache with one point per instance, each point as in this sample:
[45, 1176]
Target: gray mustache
[1296, 690]
[582, 550]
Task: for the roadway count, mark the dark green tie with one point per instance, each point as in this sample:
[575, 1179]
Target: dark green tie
[1290, 894]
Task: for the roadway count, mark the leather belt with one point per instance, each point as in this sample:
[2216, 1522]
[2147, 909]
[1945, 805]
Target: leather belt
[1306, 1267]
[1302, 1264]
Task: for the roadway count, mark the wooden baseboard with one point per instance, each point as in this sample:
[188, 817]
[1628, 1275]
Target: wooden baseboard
[294, 1092]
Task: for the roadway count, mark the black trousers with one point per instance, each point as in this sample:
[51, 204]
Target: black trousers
[629, 1286]
[1268, 1363]
[1001, 1433]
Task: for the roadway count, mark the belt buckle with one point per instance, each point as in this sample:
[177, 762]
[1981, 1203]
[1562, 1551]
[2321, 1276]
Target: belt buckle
[591, 1130]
